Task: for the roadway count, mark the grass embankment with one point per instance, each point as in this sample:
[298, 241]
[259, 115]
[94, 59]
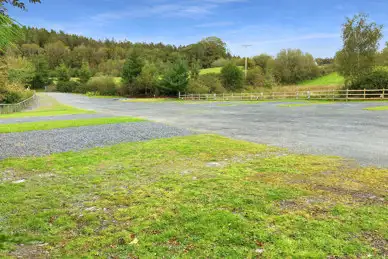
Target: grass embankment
[378, 108]
[333, 79]
[48, 106]
[48, 125]
[191, 197]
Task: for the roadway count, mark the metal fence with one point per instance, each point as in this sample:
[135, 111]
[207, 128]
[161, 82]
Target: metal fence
[17, 107]
[334, 95]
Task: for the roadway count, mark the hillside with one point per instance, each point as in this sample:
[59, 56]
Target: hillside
[215, 70]
[333, 79]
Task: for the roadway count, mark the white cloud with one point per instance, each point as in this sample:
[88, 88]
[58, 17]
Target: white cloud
[214, 24]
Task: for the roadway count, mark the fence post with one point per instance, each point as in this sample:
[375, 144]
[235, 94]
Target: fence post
[273, 95]
[297, 95]
[347, 94]
[383, 93]
[364, 93]
[333, 95]
[179, 95]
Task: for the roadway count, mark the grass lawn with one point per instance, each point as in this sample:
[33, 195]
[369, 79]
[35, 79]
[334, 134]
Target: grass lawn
[48, 107]
[202, 196]
[377, 108]
[47, 125]
[333, 79]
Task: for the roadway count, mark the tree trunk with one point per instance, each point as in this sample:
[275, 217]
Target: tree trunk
[3, 71]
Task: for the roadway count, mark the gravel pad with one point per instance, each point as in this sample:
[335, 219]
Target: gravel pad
[40, 143]
[53, 118]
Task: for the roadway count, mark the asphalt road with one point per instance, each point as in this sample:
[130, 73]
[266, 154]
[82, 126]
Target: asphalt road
[340, 129]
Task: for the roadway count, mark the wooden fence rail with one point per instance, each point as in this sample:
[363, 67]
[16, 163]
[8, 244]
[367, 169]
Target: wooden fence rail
[334, 95]
[17, 107]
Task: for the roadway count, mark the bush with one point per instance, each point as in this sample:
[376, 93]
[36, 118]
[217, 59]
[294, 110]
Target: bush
[14, 93]
[208, 83]
[232, 77]
[220, 62]
[256, 77]
[67, 87]
[105, 85]
[378, 79]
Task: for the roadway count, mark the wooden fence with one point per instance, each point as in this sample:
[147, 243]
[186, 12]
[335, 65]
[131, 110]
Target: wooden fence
[17, 107]
[333, 95]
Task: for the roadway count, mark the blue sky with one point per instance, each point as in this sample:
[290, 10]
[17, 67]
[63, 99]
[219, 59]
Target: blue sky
[268, 25]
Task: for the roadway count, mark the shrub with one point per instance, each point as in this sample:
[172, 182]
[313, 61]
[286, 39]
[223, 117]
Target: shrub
[378, 79]
[220, 62]
[14, 93]
[105, 85]
[67, 87]
[232, 77]
[255, 77]
[208, 83]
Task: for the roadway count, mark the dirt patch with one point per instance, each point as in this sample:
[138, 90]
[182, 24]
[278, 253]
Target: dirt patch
[376, 241]
[36, 251]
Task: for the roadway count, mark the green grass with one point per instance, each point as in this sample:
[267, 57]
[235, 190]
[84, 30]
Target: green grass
[161, 198]
[48, 107]
[333, 79]
[290, 105]
[151, 100]
[47, 125]
[214, 70]
[377, 108]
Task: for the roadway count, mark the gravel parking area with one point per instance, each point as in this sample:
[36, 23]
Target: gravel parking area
[53, 118]
[341, 129]
[39, 143]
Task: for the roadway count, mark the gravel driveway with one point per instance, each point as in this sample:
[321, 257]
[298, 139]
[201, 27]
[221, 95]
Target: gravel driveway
[38, 143]
[342, 129]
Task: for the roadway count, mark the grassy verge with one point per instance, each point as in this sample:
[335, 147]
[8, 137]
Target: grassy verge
[378, 108]
[47, 125]
[201, 196]
[290, 105]
[150, 100]
[48, 106]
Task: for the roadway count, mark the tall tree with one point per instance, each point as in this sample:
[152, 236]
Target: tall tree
[9, 32]
[360, 45]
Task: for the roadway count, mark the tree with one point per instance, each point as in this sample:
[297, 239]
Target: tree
[84, 73]
[360, 44]
[14, 3]
[132, 68]
[175, 79]
[9, 32]
[41, 78]
[147, 82]
[63, 73]
[324, 61]
[232, 77]
[256, 77]
[262, 61]
[293, 66]
[57, 53]
[195, 69]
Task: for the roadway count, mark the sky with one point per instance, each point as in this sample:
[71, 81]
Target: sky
[314, 26]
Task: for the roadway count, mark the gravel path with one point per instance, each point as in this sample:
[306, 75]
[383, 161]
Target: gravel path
[53, 118]
[39, 143]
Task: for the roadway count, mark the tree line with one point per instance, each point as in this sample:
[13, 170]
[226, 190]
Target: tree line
[38, 58]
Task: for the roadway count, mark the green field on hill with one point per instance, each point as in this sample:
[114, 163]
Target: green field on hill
[333, 79]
